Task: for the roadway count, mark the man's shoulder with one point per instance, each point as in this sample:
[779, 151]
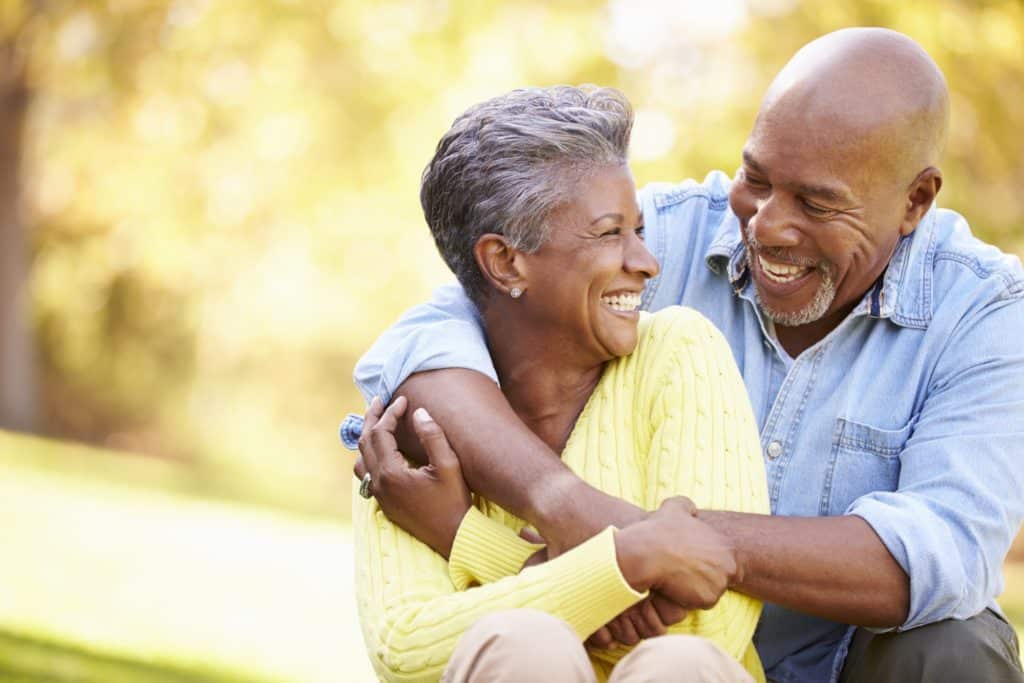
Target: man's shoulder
[712, 193]
[962, 267]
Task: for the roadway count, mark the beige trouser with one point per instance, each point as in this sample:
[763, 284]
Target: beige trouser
[526, 645]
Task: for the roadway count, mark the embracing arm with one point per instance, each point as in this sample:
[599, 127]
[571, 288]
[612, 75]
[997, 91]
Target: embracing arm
[505, 462]
[832, 567]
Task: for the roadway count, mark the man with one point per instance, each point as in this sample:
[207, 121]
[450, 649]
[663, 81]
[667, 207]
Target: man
[880, 345]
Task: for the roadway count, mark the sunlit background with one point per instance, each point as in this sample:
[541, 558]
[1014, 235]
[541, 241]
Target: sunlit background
[210, 209]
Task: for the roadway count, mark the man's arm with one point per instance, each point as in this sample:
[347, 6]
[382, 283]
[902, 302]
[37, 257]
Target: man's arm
[503, 461]
[832, 567]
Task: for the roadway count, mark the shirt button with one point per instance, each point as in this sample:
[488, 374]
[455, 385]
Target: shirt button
[774, 449]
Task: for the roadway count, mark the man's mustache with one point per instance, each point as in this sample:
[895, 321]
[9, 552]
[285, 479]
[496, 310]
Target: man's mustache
[785, 255]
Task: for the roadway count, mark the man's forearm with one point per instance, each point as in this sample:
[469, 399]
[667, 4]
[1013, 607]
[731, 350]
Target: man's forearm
[505, 462]
[832, 567]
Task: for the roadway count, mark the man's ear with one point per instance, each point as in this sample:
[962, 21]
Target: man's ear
[920, 196]
[500, 263]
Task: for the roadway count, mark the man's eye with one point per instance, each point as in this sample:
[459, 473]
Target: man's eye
[612, 232]
[817, 210]
[754, 182]
[641, 232]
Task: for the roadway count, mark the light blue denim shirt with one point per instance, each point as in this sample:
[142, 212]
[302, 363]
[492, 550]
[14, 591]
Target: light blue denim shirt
[910, 414]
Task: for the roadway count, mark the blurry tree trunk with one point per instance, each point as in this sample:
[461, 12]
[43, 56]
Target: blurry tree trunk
[18, 405]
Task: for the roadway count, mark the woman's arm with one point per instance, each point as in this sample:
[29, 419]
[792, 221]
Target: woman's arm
[410, 611]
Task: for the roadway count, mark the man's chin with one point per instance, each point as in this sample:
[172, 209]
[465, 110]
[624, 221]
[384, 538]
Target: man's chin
[812, 312]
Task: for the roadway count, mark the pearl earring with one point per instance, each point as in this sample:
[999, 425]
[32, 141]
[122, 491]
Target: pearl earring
[515, 292]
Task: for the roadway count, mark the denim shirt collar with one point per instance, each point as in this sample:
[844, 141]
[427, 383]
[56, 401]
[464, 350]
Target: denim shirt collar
[903, 294]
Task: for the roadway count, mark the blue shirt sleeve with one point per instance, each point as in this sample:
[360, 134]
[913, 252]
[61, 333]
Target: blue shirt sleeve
[960, 497]
[444, 333]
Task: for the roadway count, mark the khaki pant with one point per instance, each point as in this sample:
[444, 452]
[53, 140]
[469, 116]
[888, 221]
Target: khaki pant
[526, 645]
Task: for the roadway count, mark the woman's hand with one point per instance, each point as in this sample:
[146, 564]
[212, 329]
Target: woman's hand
[429, 502]
[649, 618]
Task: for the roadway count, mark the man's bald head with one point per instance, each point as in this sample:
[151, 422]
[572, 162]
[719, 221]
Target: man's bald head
[869, 87]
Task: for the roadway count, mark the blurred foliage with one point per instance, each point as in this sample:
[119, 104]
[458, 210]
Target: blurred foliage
[222, 196]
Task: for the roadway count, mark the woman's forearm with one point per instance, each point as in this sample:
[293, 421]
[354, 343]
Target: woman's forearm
[413, 617]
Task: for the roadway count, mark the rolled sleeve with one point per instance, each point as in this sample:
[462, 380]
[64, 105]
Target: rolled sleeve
[959, 500]
[444, 333]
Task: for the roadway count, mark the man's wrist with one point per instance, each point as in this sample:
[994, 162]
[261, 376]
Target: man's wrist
[555, 504]
[724, 524]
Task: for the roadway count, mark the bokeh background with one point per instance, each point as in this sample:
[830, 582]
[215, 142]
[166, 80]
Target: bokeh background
[209, 209]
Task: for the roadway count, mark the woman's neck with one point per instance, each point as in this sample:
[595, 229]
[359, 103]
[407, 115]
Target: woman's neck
[544, 383]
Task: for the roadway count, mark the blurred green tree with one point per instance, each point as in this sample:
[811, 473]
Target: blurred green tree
[220, 198]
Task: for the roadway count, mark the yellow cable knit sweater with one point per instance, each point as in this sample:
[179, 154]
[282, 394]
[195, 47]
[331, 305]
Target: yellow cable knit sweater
[671, 418]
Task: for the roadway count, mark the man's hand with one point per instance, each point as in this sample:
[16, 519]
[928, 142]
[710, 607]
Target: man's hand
[678, 555]
[428, 502]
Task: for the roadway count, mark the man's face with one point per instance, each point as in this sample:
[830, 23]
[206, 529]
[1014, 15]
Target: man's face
[820, 218]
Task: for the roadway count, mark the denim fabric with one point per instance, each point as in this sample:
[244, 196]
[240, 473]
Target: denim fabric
[910, 414]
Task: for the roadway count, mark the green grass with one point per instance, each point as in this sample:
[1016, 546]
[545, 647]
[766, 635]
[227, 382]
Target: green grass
[107, 575]
[113, 570]
[28, 659]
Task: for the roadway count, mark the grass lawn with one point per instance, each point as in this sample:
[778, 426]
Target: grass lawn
[112, 574]
[108, 582]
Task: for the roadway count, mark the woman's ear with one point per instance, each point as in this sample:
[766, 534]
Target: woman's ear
[500, 263]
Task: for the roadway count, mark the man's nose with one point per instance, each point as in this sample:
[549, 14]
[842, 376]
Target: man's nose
[772, 224]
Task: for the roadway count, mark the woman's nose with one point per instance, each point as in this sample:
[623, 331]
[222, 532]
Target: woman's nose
[639, 259]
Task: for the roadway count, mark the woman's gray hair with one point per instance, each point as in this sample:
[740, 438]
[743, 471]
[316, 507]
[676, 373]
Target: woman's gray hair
[507, 163]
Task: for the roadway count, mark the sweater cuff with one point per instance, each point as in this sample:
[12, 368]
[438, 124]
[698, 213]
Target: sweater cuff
[485, 550]
[597, 591]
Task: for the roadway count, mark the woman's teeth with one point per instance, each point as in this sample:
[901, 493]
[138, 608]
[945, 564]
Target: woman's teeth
[622, 302]
[780, 272]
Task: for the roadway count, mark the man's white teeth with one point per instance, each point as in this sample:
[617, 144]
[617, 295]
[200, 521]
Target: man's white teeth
[780, 272]
[622, 302]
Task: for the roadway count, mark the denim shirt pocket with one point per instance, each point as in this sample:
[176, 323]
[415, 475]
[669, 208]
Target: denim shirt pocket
[863, 459]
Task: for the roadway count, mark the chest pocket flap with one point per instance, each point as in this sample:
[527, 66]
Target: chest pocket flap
[863, 459]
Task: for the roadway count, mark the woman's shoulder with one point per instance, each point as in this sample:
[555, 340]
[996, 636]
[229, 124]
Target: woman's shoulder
[671, 326]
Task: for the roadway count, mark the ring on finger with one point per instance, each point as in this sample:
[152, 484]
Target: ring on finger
[365, 485]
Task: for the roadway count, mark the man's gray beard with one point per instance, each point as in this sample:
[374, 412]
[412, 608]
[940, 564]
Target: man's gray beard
[813, 311]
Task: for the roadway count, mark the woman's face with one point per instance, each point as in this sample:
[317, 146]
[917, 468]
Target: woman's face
[584, 284]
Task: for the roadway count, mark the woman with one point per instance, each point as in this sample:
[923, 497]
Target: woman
[533, 207]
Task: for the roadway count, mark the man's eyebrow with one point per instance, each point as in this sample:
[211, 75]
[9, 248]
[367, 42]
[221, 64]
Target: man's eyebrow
[809, 190]
[823, 192]
[749, 160]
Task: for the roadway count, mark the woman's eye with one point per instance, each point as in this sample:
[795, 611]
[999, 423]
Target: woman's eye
[613, 231]
[641, 232]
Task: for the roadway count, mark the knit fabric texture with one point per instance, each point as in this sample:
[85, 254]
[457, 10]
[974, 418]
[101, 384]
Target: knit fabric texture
[672, 418]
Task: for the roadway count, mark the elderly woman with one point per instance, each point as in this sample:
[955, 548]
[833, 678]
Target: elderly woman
[533, 207]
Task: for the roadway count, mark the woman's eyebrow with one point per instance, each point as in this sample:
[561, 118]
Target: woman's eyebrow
[616, 216]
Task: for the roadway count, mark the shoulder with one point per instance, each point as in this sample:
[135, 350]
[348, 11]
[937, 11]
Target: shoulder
[967, 270]
[676, 337]
[711, 194]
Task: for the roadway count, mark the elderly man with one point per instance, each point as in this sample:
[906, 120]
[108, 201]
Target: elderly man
[880, 343]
